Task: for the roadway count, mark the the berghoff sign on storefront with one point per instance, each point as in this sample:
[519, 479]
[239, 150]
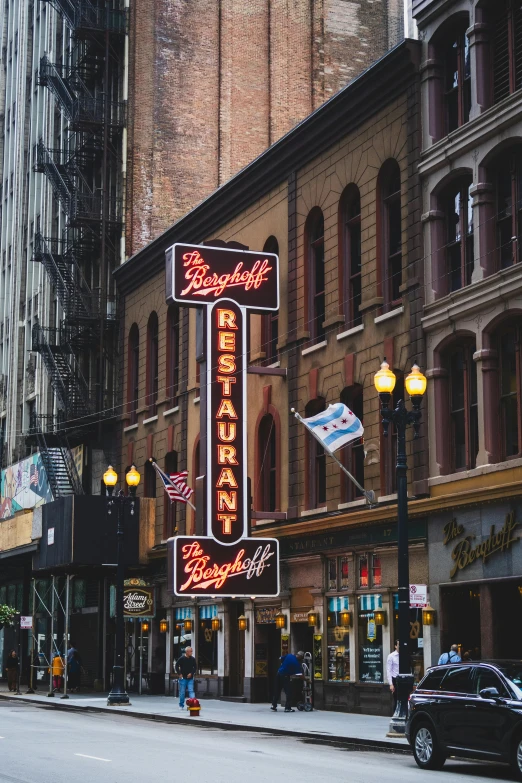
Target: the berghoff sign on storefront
[467, 551]
[230, 284]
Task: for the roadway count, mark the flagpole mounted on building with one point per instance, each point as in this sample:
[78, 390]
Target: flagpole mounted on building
[176, 488]
[336, 427]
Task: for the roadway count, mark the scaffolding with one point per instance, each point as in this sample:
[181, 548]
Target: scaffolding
[53, 600]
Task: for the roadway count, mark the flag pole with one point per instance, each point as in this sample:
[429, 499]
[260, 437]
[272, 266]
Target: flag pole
[368, 494]
[174, 484]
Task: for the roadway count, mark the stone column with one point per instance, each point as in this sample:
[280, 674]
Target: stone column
[488, 414]
[484, 249]
[433, 222]
[481, 66]
[432, 79]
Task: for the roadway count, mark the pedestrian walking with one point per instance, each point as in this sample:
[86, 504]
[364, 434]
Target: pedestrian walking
[290, 665]
[186, 668]
[11, 667]
[392, 670]
[74, 670]
[450, 657]
[57, 667]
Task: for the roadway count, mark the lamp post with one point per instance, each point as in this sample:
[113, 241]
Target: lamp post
[400, 417]
[118, 694]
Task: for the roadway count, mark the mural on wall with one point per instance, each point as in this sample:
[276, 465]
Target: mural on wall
[24, 486]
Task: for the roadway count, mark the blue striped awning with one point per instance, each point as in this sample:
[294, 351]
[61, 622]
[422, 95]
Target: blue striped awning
[369, 603]
[396, 601]
[208, 612]
[339, 603]
[183, 613]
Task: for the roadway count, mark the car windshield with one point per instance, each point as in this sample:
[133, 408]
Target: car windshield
[513, 672]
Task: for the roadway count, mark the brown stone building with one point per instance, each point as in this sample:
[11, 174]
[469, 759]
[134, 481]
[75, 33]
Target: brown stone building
[338, 199]
[213, 84]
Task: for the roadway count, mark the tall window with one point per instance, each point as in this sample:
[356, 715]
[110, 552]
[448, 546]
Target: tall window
[389, 443]
[316, 468]
[390, 190]
[267, 445]
[509, 208]
[152, 364]
[172, 354]
[507, 48]
[350, 222]
[316, 276]
[457, 78]
[462, 374]
[270, 321]
[509, 342]
[458, 212]
[352, 456]
[169, 509]
[133, 373]
[149, 481]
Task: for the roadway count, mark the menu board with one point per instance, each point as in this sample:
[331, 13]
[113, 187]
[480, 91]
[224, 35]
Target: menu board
[370, 649]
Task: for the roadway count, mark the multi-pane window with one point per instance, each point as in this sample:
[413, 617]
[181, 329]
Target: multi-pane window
[457, 80]
[352, 456]
[338, 573]
[316, 468]
[370, 570]
[268, 464]
[133, 374]
[509, 343]
[152, 364]
[172, 353]
[376, 571]
[390, 184]
[316, 275]
[270, 321]
[458, 212]
[507, 49]
[509, 209]
[351, 254]
[363, 571]
[462, 372]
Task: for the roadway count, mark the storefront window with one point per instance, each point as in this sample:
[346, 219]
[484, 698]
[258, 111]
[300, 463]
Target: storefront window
[338, 572]
[332, 574]
[338, 640]
[416, 640]
[363, 571]
[207, 641]
[376, 571]
[344, 573]
[182, 638]
[370, 640]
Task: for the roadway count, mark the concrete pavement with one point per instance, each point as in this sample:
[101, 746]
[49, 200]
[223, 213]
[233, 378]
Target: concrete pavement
[339, 727]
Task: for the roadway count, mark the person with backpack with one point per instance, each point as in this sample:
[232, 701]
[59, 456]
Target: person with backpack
[450, 657]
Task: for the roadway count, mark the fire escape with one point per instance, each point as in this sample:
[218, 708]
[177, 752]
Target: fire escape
[79, 354]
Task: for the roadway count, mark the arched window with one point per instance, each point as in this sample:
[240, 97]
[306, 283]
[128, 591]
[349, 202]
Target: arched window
[152, 364]
[507, 48]
[462, 404]
[456, 203]
[149, 481]
[267, 460]
[133, 378]
[169, 509]
[270, 321]
[508, 176]
[352, 456]
[391, 233]
[350, 228]
[457, 76]
[389, 443]
[315, 273]
[509, 346]
[316, 461]
[172, 354]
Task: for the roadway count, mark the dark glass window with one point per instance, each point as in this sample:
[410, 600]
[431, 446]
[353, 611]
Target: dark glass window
[390, 180]
[172, 354]
[270, 321]
[459, 236]
[458, 680]
[507, 48]
[376, 571]
[363, 571]
[352, 456]
[351, 217]
[462, 371]
[316, 461]
[268, 464]
[149, 483]
[316, 275]
[152, 364]
[509, 208]
[486, 678]
[134, 373]
[510, 381]
[457, 79]
[433, 680]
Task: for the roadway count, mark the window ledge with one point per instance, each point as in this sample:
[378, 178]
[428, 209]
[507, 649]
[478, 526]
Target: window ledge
[171, 411]
[391, 314]
[387, 498]
[150, 419]
[350, 332]
[352, 504]
[196, 400]
[313, 348]
[480, 470]
[274, 365]
[311, 512]
[130, 428]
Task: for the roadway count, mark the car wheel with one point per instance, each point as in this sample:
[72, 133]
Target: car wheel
[425, 750]
[516, 762]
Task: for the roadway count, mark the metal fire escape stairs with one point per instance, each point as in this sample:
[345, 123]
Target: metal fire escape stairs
[57, 458]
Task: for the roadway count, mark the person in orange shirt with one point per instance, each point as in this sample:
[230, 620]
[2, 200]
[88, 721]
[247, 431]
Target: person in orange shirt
[57, 668]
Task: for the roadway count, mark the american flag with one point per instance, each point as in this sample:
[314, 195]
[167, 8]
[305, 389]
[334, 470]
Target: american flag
[33, 475]
[175, 485]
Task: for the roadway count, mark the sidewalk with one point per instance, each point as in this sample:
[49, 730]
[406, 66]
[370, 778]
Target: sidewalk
[338, 727]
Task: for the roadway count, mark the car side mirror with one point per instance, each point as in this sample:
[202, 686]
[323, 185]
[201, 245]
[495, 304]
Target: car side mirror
[489, 693]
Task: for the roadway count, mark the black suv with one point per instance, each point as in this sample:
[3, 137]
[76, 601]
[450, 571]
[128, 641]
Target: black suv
[472, 710]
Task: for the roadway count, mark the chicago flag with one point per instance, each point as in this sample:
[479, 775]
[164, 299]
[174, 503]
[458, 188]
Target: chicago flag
[335, 427]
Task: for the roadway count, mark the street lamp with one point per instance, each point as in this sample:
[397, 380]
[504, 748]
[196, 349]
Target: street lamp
[118, 694]
[415, 384]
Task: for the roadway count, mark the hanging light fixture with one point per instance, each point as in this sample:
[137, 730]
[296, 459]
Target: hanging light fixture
[164, 625]
[144, 626]
[280, 620]
[242, 623]
[429, 616]
[216, 624]
[380, 617]
[313, 619]
[346, 619]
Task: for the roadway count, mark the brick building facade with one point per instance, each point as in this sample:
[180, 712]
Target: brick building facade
[329, 198]
[213, 84]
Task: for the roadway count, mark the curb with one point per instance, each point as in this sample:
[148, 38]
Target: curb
[330, 739]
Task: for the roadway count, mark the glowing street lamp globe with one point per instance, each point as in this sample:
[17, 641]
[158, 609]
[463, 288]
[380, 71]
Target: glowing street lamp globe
[132, 477]
[415, 382]
[384, 380]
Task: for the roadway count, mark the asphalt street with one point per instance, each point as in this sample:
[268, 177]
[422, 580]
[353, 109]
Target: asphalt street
[45, 746]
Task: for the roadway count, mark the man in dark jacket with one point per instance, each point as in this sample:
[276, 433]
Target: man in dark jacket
[290, 665]
[186, 669]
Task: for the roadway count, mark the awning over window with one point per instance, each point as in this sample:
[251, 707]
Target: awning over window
[339, 603]
[183, 613]
[208, 612]
[369, 603]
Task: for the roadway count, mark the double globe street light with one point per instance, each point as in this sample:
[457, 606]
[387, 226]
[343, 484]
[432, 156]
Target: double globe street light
[118, 694]
[400, 417]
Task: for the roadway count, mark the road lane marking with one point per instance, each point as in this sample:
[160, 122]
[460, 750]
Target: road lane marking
[85, 756]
